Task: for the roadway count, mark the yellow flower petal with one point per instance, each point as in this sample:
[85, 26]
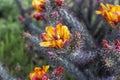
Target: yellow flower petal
[50, 31]
[103, 6]
[98, 12]
[45, 44]
[46, 68]
[66, 33]
[55, 37]
[108, 6]
[62, 31]
[59, 32]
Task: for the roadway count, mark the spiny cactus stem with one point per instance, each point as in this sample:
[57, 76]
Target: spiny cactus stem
[75, 25]
[81, 57]
[69, 67]
[28, 21]
[48, 8]
[32, 27]
[62, 62]
[34, 39]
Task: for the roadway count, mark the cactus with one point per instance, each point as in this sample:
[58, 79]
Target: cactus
[82, 55]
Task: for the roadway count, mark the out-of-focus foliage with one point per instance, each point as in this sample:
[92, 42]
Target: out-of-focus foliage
[12, 44]
[8, 9]
[12, 49]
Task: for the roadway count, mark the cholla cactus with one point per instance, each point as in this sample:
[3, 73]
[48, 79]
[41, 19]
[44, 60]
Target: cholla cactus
[69, 44]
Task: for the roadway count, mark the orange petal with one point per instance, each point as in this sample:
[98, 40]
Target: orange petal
[32, 74]
[59, 43]
[107, 16]
[37, 8]
[39, 72]
[46, 37]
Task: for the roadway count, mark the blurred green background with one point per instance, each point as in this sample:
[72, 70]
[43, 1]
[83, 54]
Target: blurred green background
[12, 44]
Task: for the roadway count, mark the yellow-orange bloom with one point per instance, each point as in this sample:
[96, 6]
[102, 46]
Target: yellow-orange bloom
[111, 13]
[39, 73]
[38, 5]
[55, 37]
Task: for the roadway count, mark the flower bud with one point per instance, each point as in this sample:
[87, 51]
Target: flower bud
[58, 71]
[106, 45]
[59, 2]
[21, 18]
[38, 16]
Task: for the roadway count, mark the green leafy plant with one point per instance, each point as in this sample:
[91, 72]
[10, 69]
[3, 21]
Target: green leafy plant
[12, 52]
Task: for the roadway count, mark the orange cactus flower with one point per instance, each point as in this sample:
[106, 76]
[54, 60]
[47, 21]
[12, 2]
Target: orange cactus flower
[55, 37]
[111, 13]
[38, 5]
[39, 73]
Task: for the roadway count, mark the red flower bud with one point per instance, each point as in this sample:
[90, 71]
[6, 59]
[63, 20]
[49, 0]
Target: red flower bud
[21, 18]
[42, 36]
[117, 45]
[42, 6]
[106, 45]
[59, 2]
[58, 71]
[38, 16]
[64, 42]
[117, 42]
[117, 48]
